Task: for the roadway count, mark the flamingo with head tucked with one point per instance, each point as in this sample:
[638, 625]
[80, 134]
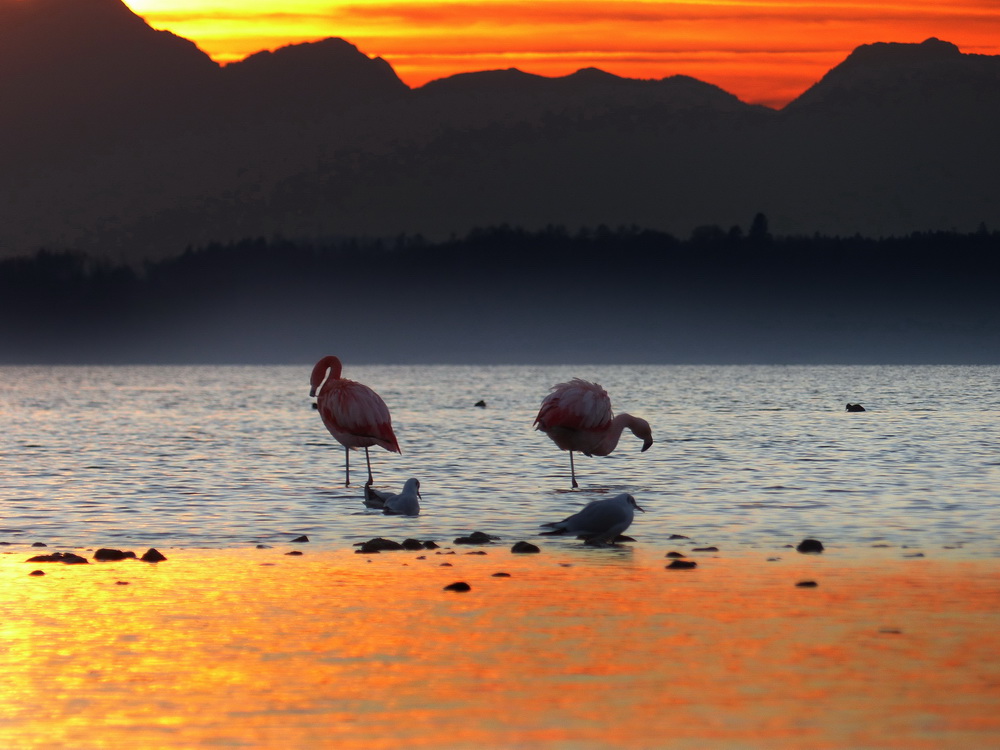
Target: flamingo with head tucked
[355, 415]
[577, 416]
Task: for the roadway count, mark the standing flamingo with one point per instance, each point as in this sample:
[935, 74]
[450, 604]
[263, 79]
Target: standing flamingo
[355, 415]
[577, 416]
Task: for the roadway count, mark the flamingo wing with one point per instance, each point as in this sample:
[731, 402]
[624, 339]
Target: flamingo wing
[354, 409]
[576, 405]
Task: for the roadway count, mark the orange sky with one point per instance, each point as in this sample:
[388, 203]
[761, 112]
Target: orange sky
[764, 51]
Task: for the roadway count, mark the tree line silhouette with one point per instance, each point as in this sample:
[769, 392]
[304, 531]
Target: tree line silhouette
[243, 300]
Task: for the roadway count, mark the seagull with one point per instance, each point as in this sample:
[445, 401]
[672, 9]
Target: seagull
[406, 503]
[600, 521]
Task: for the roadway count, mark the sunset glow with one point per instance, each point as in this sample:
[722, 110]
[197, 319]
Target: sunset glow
[764, 51]
[333, 649]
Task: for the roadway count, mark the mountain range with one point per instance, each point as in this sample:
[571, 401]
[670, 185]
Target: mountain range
[129, 142]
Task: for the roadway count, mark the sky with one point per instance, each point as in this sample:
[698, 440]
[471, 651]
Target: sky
[764, 51]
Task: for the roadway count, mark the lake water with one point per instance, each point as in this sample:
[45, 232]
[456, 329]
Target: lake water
[311, 645]
[755, 457]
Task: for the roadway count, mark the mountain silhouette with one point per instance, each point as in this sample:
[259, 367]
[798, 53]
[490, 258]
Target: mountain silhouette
[306, 79]
[68, 66]
[131, 142]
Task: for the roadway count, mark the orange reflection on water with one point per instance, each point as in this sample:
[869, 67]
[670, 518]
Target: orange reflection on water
[334, 649]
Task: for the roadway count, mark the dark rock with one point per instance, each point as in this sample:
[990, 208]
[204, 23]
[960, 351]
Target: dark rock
[431, 545]
[62, 557]
[682, 565]
[481, 404]
[37, 573]
[807, 584]
[412, 544]
[39, 544]
[263, 546]
[476, 537]
[113, 554]
[378, 544]
[445, 565]
[300, 539]
[855, 407]
[525, 547]
[914, 554]
[152, 556]
[675, 554]
[476, 552]
[294, 552]
[705, 549]
[678, 536]
[501, 575]
[121, 583]
[810, 547]
[458, 586]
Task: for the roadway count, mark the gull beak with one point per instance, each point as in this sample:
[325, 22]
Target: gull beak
[638, 508]
[645, 445]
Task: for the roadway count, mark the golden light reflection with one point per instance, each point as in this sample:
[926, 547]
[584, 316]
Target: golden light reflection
[764, 51]
[333, 649]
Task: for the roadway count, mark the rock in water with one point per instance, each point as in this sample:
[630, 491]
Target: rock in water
[526, 547]
[810, 547]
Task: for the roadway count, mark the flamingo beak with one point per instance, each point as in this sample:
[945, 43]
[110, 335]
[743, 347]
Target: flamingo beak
[645, 445]
[312, 392]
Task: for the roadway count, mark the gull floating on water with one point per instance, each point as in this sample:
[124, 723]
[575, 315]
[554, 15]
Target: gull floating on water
[600, 521]
[406, 503]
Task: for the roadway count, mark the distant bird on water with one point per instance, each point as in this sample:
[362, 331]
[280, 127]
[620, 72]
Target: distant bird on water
[855, 407]
[355, 415]
[600, 521]
[577, 416]
[406, 503]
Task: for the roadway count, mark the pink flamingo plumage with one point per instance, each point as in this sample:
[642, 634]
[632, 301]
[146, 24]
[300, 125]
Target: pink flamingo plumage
[355, 415]
[577, 416]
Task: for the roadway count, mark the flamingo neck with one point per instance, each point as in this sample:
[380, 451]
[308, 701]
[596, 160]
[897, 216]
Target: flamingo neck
[319, 371]
[614, 433]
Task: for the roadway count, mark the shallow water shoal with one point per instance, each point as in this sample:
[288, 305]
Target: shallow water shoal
[577, 648]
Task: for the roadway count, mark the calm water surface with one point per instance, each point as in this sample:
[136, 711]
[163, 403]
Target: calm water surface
[754, 457]
[228, 645]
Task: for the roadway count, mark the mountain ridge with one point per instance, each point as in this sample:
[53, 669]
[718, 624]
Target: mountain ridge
[131, 141]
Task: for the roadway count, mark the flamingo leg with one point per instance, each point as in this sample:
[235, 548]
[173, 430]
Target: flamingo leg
[347, 466]
[368, 461]
[572, 471]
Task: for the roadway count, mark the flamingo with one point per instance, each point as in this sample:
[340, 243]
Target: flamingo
[600, 521]
[577, 416]
[355, 415]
